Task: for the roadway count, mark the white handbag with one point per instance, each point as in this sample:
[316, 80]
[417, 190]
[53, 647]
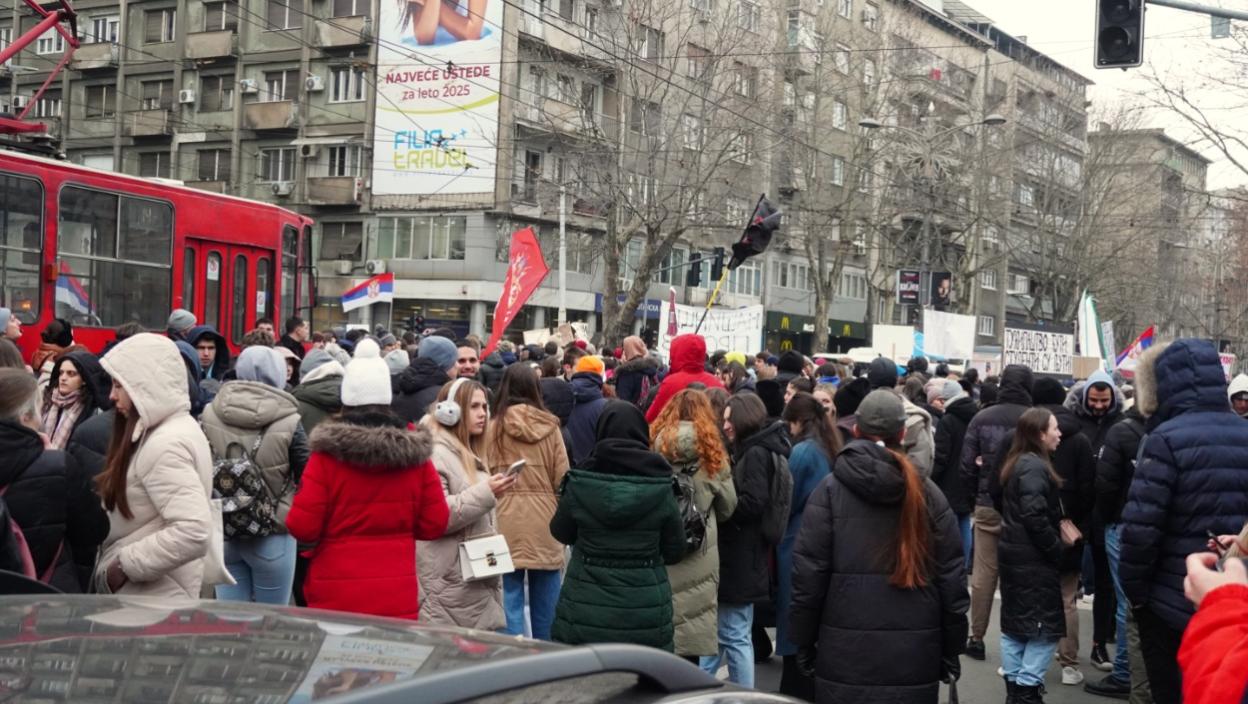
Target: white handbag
[482, 558]
[215, 571]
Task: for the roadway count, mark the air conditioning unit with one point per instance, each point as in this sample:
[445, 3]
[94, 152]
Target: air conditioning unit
[20, 101]
[375, 266]
[860, 247]
[314, 84]
[249, 85]
[283, 188]
[309, 151]
[343, 267]
[186, 96]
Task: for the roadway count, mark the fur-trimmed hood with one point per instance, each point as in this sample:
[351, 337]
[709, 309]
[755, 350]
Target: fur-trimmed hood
[646, 365]
[1146, 379]
[377, 448]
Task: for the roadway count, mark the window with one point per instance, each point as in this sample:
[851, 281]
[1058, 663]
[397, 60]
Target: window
[344, 160]
[987, 325]
[154, 164]
[790, 275]
[868, 72]
[743, 148]
[840, 115]
[840, 59]
[48, 105]
[159, 25]
[239, 304]
[214, 165]
[532, 175]
[702, 6]
[346, 85]
[672, 266]
[692, 130]
[101, 101]
[565, 89]
[6, 38]
[277, 164]
[651, 43]
[567, 9]
[790, 94]
[641, 191]
[422, 237]
[535, 82]
[988, 279]
[352, 8]
[290, 266]
[116, 250]
[103, 29]
[737, 212]
[645, 117]
[871, 16]
[845, 8]
[1025, 196]
[281, 14]
[220, 16]
[748, 15]
[339, 240]
[808, 100]
[264, 289]
[591, 21]
[280, 85]
[1020, 284]
[591, 102]
[216, 93]
[188, 278]
[852, 285]
[838, 171]
[156, 95]
[699, 62]
[745, 79]
[21, 245]
[50, 42]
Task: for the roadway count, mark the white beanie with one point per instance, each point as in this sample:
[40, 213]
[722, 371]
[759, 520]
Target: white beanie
[367, 381]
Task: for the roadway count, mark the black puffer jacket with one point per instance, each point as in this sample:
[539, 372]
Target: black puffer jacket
[1116, 465]
[89, 443]
[1030, 552]
[53, 501]
[419, 385]
[990, 433]
[877, 642]
[744, 555]
[492, 368]
[635, 378]
[558, 399]
[947, 467]
[96, 384]
[1076, 465]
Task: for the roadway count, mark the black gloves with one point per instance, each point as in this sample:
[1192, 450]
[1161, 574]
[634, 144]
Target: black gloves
[806, 657]
[950, 669]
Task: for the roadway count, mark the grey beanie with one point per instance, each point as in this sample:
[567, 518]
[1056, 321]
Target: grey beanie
[387, 340]
[181, 320]
[950, 391]
[398, 360]
[315, 358]
[881, 414]
[262, 364]
[442, 351]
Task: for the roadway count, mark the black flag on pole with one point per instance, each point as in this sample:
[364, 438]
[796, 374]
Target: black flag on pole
[763, 224]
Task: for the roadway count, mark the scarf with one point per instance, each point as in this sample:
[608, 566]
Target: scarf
[61, 415]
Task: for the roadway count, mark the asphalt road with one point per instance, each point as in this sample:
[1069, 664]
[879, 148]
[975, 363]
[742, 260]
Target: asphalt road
[980, 683]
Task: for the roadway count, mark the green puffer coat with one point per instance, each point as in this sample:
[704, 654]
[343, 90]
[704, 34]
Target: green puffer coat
[695, 579]
[623, 528]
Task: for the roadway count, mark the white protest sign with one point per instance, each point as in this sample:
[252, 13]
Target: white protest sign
[739, 329]
[1045, 351]
[893, 341]
[948, 335]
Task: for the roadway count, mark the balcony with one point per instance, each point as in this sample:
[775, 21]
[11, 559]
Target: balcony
[210, 186]
[276, 115]
[89, 57]
[147, 123]
[344, 32]
[557, 116]
[335, 190]
[202, 46]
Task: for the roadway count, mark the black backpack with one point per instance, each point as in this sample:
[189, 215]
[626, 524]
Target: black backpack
[691, 517]
[780, 500]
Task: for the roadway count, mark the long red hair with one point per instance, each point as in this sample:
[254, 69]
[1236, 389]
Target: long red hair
[691, 405]
[913, 532]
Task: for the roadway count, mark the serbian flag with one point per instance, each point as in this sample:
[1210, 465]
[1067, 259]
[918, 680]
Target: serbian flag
[379, 289]
[525, 272]
[1127, 361]
[69, 291]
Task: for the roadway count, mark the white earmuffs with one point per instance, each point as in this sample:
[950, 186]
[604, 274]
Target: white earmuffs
[448, 412]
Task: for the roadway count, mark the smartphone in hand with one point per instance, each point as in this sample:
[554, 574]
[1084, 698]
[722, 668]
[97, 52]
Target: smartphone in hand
[515, 468]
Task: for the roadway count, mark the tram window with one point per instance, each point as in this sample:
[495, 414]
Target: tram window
[212, 291]
[290, 266]
[115, 256]
[21, 245]
[188, 279]
[264, 288]
[239, 307]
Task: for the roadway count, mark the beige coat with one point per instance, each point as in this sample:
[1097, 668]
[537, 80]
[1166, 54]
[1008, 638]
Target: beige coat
[446, 599]
[168, 484]
[695, 579]
[524, 512]
[918, 441]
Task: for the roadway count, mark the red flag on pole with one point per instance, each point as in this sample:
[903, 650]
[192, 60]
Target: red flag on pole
[524, 274]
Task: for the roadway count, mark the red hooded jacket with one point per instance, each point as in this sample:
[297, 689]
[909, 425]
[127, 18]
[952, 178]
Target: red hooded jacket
[688, 366]
[366, 496]
[1214, 654]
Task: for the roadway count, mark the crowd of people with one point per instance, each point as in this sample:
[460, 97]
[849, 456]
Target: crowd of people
[687, 503]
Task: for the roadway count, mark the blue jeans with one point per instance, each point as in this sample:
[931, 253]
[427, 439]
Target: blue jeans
[736, 623]
[1113, 548]
[263, 567]
[543, 596]
[1026, 661]
[964, 528]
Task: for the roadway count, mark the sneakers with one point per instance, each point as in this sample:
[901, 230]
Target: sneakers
[1100, 658]
[1071, 676]
[975, 649]
[1109, 686]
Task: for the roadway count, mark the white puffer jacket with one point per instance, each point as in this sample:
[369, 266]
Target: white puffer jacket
[169, 482]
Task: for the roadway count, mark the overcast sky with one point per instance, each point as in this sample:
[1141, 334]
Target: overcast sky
[1175, 43]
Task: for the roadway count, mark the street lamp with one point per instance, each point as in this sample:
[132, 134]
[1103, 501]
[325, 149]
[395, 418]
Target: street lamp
[928, 138]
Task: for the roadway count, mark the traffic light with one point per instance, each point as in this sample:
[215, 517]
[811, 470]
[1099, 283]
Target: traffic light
[717, 265]
[693, 277]
[1119, 33]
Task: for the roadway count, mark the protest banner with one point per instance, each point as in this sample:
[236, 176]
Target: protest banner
[948, 335]
[739, 329]
[893, 341]
[1048, 350]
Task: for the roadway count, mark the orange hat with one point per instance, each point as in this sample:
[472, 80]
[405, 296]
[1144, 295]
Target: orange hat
[590, 363]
